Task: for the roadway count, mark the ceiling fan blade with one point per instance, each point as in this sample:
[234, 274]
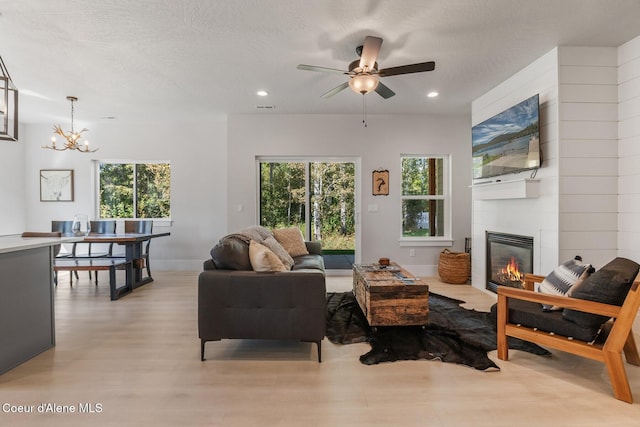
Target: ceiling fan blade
[336, 90]
[370, 50]
[321, 69]
[408, 69]
[384, 91]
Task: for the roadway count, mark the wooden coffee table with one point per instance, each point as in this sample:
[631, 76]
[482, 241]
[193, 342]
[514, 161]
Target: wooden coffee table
[390, 296]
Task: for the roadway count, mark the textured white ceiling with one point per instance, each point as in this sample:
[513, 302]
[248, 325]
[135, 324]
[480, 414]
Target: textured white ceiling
[163, 60]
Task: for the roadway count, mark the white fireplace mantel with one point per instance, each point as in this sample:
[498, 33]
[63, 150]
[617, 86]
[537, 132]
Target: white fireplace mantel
[514, 189]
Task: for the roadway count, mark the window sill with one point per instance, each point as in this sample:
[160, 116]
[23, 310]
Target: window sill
[426, 242]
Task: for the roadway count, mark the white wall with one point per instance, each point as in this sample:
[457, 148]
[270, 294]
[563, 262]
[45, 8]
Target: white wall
[536, 217]
[206, 192]
[197, 152]
[12, 201]
[629, 149]
[378, 145]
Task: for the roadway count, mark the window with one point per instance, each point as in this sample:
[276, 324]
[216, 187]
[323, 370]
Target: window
[425, 198]
[134, 189]
[316, 196]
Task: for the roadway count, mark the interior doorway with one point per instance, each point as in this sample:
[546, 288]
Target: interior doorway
[316, 195]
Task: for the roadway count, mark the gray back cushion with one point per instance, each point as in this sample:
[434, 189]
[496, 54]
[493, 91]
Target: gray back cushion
[608, 285]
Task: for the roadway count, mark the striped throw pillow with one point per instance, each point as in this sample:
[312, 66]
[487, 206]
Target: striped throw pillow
[563, 278]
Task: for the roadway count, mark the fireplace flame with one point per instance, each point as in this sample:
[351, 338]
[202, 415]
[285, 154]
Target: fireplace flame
[512, 271]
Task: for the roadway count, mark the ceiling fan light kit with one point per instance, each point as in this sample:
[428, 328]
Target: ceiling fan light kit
[363, 83]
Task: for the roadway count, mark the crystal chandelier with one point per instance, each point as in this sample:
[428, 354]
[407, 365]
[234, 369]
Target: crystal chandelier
[72, 139]
[8, 106]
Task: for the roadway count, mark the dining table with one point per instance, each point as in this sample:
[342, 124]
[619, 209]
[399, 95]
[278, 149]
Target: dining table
[132, 243]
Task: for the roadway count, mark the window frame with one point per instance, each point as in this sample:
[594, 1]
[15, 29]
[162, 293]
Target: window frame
[446, 239]
[156, 221]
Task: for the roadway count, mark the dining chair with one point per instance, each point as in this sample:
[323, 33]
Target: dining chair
[64, 228]
[144, 226]
[96, 250]
[66, 249]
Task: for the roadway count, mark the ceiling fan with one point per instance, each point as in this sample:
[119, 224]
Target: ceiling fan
[364, 73]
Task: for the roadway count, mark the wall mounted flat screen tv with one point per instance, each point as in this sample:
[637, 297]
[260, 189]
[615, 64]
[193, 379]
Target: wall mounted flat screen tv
[508, 142]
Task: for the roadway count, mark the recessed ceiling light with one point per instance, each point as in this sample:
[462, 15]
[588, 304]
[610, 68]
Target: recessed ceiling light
[432, 94]
[262, 93]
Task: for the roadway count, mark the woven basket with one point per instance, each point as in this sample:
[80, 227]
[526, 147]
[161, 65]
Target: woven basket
[454, 267]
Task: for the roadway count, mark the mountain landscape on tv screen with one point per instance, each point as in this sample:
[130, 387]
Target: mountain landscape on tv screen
[508, 142]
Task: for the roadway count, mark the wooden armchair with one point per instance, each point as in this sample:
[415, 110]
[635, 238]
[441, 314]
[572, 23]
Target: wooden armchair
[609, 351]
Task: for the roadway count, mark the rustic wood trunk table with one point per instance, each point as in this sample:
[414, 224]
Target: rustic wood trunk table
[390, 296]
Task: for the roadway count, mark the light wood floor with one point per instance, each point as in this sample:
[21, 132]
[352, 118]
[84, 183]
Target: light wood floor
[138, 358]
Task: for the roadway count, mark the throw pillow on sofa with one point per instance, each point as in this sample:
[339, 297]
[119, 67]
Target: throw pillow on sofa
[263, 259]
[291, 240]
[281, 252]
[231, 253]
[561, 280]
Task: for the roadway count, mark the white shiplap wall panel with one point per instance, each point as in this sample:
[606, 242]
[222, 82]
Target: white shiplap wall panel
[589, 93]
[577, 240]
[583, 166]
[587, 148]
[629, 127]
[595, 203]
[581, 111]
[628, 52]
[629, 109]
[629, 184]
[629, 89]
[588, 185]
[581, 74]
[589, 129]
[629, 204]
[588, 56]
[628, 166]
[629, 222]
[629, 149]
[629, 69]
[606, 221]
[628, 245]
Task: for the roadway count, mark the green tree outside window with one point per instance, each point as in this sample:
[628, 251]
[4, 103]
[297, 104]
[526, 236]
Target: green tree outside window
[135, 190]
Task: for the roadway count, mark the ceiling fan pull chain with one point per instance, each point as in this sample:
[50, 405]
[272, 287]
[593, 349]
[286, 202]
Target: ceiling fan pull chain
[364, 110]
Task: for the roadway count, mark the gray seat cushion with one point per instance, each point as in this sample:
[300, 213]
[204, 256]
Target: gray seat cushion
[530, 314]
[308, 262]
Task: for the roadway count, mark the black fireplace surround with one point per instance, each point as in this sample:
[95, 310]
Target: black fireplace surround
[509, 257]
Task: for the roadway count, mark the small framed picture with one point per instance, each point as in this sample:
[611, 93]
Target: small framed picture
[56, 185]
[381, 182]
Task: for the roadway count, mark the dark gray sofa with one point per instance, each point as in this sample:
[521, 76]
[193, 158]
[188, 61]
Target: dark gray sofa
[245, 304]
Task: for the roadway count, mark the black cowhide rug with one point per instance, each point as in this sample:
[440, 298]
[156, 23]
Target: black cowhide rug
[453, 335]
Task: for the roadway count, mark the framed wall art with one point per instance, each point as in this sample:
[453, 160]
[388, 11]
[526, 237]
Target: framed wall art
[56, 185]
[380, 182]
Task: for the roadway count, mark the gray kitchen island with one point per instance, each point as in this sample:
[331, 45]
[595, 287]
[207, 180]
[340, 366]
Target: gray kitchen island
[27, 326]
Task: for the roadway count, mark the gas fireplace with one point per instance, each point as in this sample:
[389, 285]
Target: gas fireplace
[509, 258]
